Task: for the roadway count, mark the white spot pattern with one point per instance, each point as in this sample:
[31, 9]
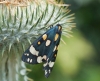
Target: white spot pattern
[48, 42]
[54, 48]
[45, 72]
[44, 57]
[27, 54]
[33, 51]
[51, 64]
[28, 59]
[45, 64]
[39, 59]
[49, 70]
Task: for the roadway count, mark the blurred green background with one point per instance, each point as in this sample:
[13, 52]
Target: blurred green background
[79, 59]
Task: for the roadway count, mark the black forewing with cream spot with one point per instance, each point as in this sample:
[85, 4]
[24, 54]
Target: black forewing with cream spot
[44, 49]
[48, 66]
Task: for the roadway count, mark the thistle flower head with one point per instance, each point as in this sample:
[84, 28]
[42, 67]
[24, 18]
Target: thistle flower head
[23, 24]
[23, 21]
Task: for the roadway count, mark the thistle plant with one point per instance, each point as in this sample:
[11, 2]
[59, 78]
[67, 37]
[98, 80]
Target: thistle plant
[21, 22]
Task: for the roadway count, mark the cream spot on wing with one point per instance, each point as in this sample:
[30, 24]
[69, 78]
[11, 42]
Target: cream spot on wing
[33, 51]
[27, 54]
[51, 64]
[39, 42]
[54, 48]
[47, 59]
[36, 53]
[44, 36]
[49, 70]
[39, 59]
[45, 64]
[56, 36]
[45, 72]
[44, 57]
[28, 59]
[48, 42]
[55, 55]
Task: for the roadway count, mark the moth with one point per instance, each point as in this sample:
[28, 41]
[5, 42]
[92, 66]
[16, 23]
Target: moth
[44, 49]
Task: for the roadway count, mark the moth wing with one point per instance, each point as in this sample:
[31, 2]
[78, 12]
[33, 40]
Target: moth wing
[44, 49]
[40, 47]
[48, 65]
